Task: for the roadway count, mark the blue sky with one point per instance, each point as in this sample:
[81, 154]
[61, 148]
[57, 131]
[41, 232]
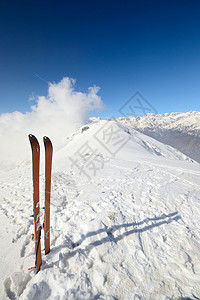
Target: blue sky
[122, 46]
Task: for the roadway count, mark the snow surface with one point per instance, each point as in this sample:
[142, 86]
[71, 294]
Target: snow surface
[127, 230]
[188, 122]
[179, 130]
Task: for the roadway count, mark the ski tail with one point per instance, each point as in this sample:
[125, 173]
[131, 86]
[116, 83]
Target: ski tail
[36, 202]
[48, 168]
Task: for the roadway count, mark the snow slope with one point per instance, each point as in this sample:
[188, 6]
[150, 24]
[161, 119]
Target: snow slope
[179, 130]
[128, 229]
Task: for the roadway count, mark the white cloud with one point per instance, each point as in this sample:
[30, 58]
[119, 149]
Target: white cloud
[57, 115]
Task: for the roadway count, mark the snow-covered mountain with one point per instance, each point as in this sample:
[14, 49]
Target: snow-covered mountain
[179, 130]
[125, 216]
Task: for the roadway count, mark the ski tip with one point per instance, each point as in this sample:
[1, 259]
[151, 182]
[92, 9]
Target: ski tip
[48, 142]
[31, 136]
[45, 138]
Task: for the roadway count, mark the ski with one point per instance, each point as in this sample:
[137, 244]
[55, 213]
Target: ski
[48, 167]
[36, 204]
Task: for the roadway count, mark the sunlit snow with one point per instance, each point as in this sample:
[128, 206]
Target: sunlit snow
[128, 229]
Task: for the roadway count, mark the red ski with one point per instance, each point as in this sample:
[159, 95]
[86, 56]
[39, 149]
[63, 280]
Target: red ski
[36, 204]
[48, 167]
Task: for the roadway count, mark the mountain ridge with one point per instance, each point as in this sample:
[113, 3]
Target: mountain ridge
[177, 129]
[185, 121]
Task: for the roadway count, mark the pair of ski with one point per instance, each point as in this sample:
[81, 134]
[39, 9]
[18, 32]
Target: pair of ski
[36, 201]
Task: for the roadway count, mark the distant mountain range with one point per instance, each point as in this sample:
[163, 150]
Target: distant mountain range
[179, 130]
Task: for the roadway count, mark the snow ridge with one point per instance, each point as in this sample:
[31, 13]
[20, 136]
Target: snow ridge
[179, 130]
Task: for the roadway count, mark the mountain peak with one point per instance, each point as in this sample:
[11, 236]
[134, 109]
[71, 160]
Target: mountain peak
[180, 130]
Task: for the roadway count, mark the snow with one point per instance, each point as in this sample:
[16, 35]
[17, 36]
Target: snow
[187, 122]
[126, 230]
[179, 130]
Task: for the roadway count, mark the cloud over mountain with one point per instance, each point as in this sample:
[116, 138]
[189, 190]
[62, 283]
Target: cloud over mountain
[57, 115]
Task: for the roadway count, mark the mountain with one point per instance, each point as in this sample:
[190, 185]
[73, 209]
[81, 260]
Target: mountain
[125, 219]
[103, 135]
[179, 130]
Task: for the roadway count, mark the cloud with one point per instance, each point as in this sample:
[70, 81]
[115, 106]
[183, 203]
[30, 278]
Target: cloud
[57, 115]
